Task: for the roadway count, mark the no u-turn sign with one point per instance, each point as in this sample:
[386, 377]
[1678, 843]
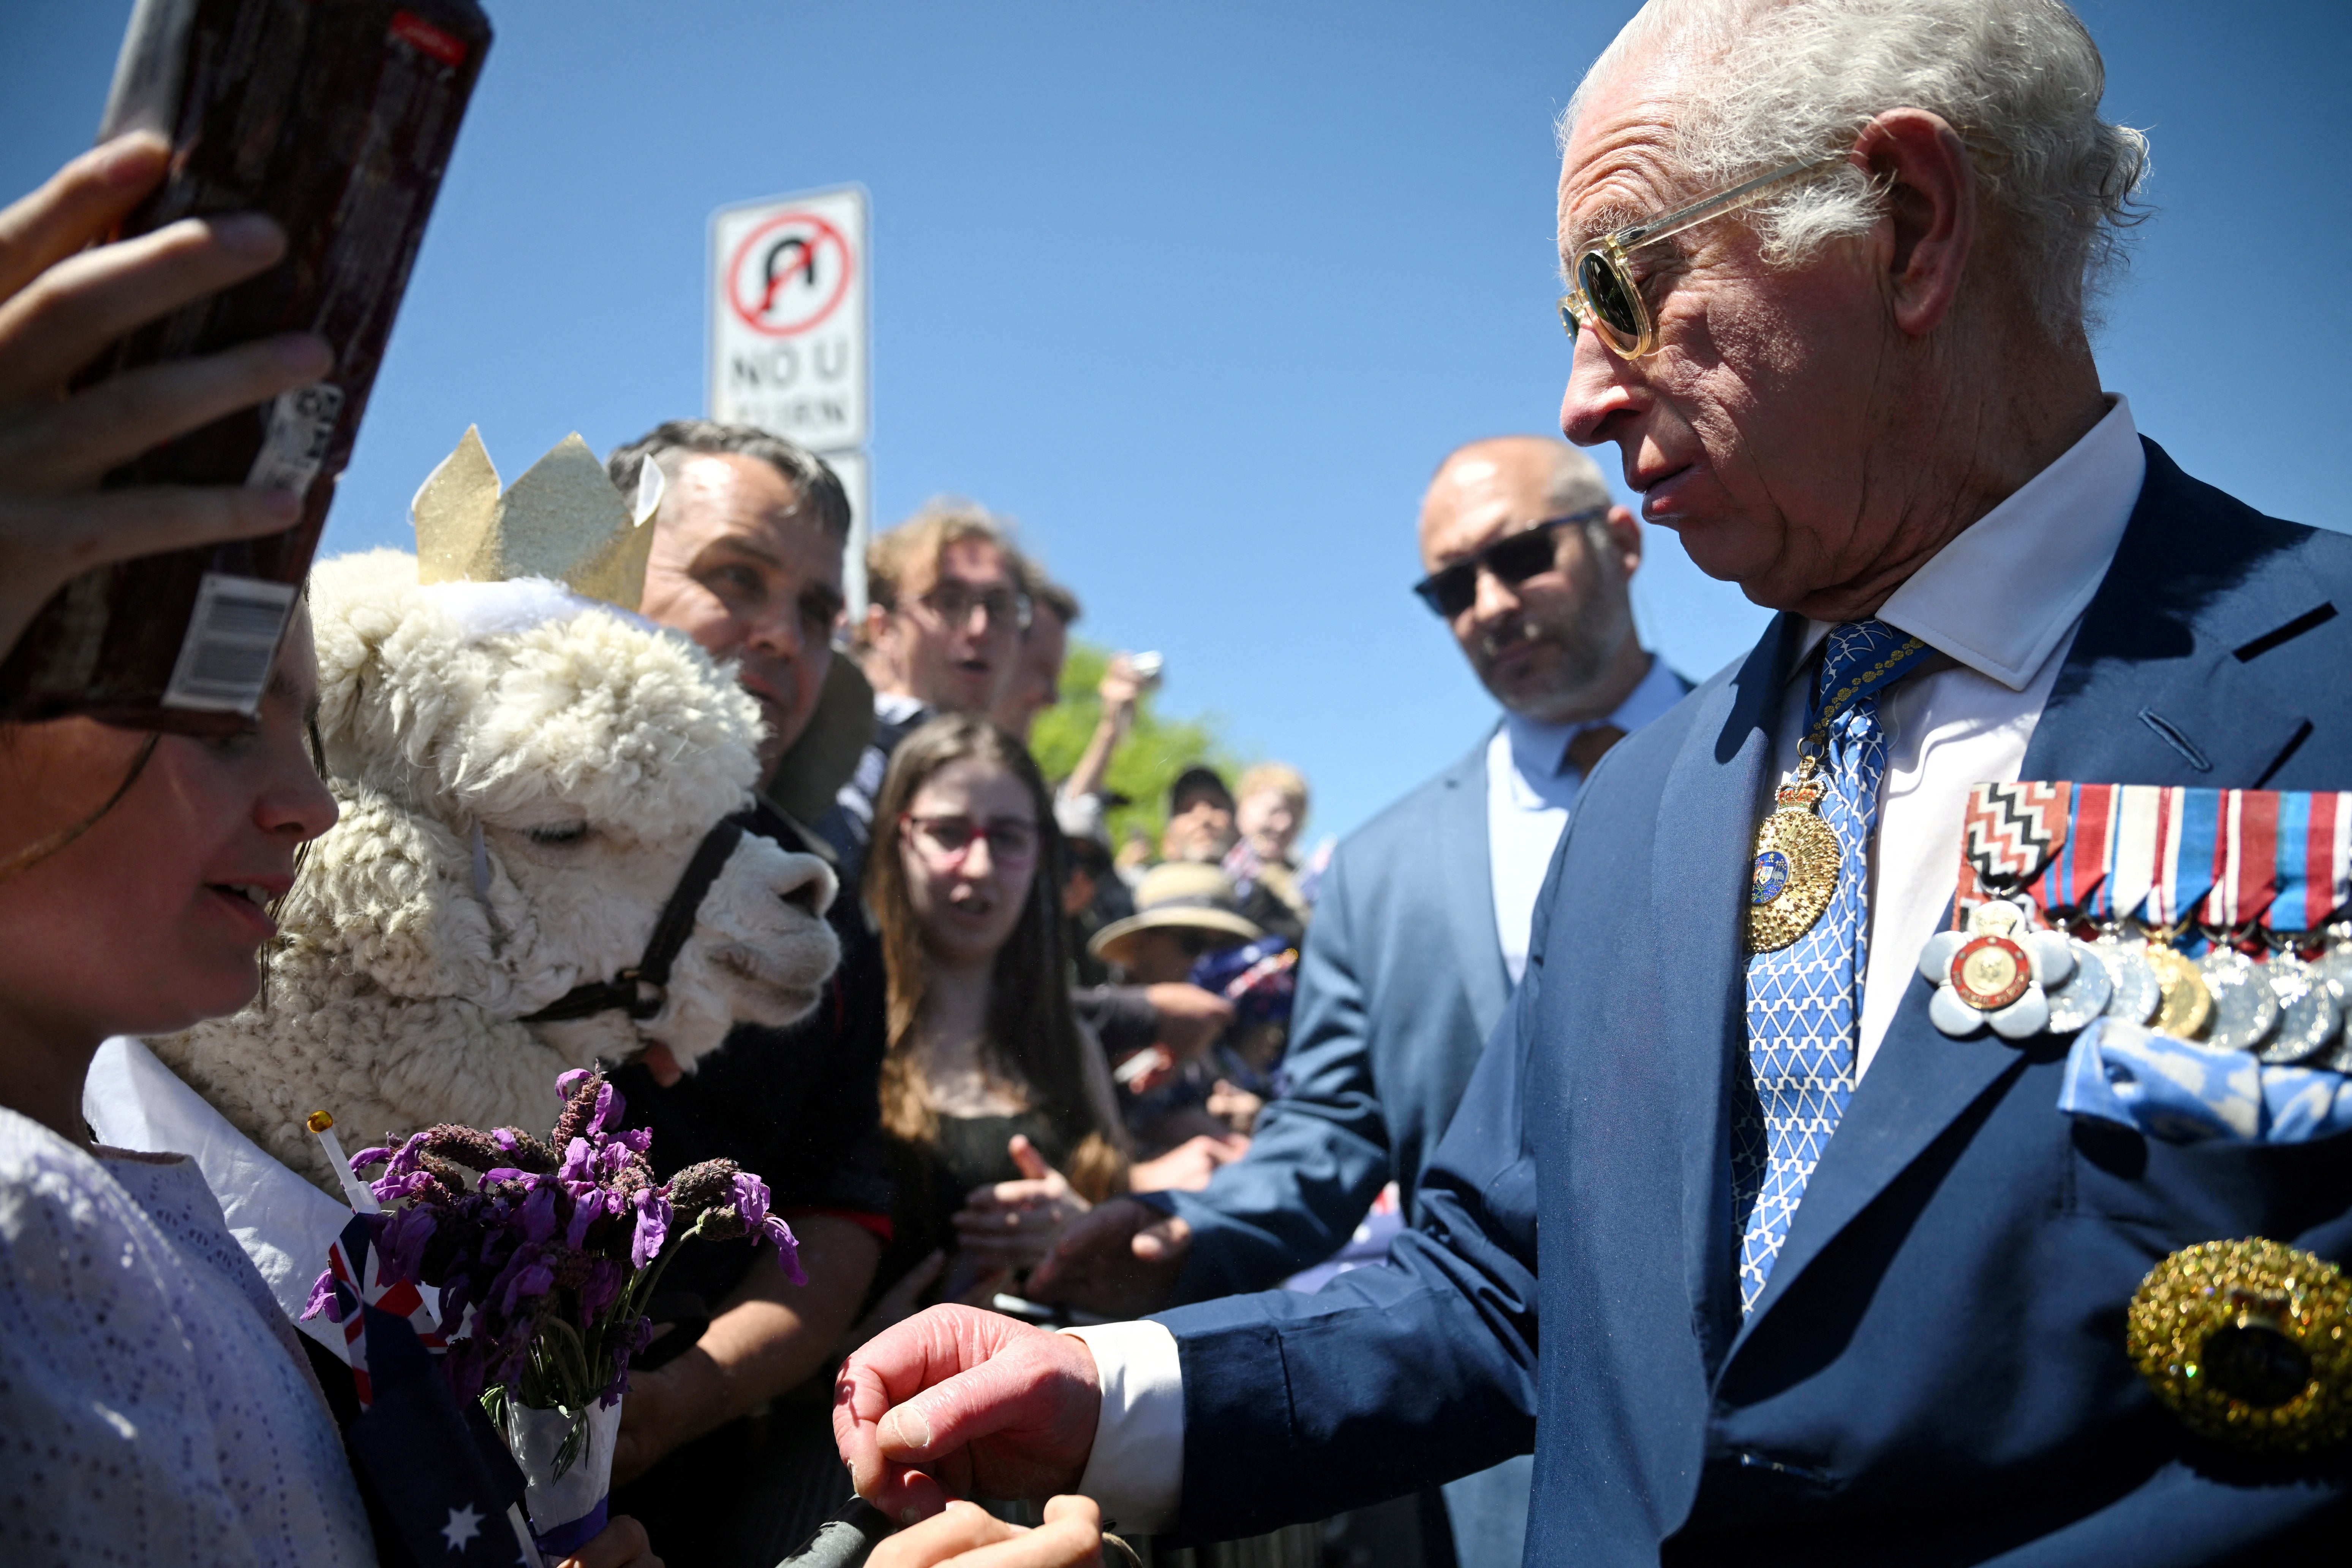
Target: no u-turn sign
[788, 329]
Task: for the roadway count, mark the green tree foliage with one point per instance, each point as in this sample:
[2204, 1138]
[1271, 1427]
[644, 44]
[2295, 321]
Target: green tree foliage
[1157, 747]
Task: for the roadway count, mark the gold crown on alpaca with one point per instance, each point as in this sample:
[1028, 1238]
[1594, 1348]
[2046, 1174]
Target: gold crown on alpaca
[563, 520]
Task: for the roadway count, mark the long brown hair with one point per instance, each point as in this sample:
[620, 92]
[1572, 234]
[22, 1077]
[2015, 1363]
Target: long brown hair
[1032, 1041]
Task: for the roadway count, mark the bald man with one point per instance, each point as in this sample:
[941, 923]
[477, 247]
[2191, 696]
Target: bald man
[1529, 565]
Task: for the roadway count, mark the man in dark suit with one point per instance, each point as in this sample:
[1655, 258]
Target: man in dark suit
[1421, 928]
[1766, 1265]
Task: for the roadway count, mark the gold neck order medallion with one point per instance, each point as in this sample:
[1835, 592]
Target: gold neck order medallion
[1797, 862]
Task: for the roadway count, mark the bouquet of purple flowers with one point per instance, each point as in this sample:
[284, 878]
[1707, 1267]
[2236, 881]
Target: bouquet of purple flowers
[545, 1253]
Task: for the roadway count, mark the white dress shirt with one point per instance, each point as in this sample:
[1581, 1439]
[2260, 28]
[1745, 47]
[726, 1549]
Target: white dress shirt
[2002, 603]
[1531, 786]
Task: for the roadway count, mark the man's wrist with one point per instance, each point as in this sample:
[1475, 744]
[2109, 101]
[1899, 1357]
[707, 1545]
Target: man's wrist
[1134, 1470]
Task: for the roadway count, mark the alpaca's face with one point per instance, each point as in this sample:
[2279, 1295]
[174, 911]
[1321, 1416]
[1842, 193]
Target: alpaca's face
[760, 951]
[525, 781]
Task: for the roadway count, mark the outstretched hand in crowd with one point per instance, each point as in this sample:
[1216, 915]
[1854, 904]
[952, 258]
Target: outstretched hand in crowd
[62, 301]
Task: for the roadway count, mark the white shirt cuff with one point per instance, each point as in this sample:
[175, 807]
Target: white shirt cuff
[1135, 1473]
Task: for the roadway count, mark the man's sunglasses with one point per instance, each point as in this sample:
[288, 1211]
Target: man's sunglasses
[1605, 296]
[1454, 589]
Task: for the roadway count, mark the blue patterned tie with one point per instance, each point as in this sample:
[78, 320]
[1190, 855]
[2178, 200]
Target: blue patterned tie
[1803, 1000]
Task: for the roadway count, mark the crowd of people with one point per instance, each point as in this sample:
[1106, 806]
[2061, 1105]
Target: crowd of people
[1644, 1299]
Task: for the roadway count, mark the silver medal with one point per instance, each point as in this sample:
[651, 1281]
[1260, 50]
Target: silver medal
[2334, 966]
[2085, 994]
[2138, 995]
[2309, 1016]
[2245, 1008]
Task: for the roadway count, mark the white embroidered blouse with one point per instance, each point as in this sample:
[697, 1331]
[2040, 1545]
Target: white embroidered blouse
[154, 1404]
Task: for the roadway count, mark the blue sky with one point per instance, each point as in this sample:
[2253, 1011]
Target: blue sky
[1200, 294]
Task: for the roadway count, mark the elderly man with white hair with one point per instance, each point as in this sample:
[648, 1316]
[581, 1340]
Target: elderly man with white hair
[1778, 1237]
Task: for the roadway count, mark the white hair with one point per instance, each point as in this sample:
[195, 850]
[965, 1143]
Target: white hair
[1767, 82]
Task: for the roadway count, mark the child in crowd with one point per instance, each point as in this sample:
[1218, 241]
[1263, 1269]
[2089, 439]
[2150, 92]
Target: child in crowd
[155, 1405]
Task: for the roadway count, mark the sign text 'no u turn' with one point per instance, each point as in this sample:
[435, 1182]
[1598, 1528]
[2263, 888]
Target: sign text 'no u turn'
[788, 332]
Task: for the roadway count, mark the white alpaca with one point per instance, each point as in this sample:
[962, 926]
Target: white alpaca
[524, 776]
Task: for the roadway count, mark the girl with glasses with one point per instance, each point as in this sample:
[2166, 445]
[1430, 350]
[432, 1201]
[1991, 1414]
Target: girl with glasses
[1006, 1124]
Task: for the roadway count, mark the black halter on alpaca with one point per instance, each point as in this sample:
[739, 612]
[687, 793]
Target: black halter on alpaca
[638, 991]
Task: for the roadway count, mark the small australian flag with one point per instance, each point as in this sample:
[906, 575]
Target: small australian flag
[438, 1481]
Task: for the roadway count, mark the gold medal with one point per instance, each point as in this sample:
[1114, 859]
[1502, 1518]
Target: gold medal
[1796, 863]
[2249, 1342]
[1795, 873]
[2188, 1006]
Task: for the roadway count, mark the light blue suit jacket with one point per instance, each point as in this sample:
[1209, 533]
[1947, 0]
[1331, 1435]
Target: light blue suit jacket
[1936, 1373]
[1400, 983]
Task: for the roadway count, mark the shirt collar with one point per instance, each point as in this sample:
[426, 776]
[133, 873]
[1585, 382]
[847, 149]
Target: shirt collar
[1540, 750]
[896, 707]
[2002, 596]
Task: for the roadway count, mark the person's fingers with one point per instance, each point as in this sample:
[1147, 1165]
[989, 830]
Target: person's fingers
[992, 1391]
[971, 1396]
[1071, 1536]
[1165, 1242]
[622, 1544]
[958, 1527]
[78, 204]
[1008, 1194]
[1024, 1155]
[64, 317]
[1102, 1232]
[49, 540]
[71, 444]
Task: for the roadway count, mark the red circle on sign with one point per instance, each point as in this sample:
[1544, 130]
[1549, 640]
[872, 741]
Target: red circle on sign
[750, 313]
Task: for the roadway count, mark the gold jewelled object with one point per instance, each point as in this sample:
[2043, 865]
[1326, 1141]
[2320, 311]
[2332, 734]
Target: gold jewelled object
[1796, 863]
[2249, 1342]
[2188, 1005]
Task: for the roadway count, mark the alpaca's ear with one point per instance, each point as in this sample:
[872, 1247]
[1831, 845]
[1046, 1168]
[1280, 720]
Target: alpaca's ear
[394, 890]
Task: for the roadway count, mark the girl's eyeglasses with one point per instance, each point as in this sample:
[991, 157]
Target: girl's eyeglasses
[1606, 297]
[945, 841]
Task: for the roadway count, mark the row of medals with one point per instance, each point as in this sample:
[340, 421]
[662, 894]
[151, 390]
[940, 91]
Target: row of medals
[2287, 1010]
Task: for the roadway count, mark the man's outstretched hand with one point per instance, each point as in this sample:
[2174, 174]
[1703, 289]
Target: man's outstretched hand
[956, 1402]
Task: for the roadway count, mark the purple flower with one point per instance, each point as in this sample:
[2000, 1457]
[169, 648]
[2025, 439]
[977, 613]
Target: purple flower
[568, 1082]
[587, 1207]
[652, 1231]
[526, 1273]
[323, 1298]
[750, 1197]
[579, 1161]
[403, 1237]
[539, 1220]
[778, 1235]
[603, 1286]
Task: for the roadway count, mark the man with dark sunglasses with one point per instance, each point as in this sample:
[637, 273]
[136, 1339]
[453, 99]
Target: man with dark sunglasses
[1530, 566]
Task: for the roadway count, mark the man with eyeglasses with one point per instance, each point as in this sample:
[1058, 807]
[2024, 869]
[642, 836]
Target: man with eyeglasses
[1531, 567]
[1775, 1248]
[946, 609]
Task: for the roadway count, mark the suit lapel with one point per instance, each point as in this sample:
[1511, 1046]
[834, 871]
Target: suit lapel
[1700, 867]
[2157, 638]
[1466, 883]
[2153, 692]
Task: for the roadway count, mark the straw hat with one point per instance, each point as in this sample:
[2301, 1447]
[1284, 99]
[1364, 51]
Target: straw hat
[1180, 895]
